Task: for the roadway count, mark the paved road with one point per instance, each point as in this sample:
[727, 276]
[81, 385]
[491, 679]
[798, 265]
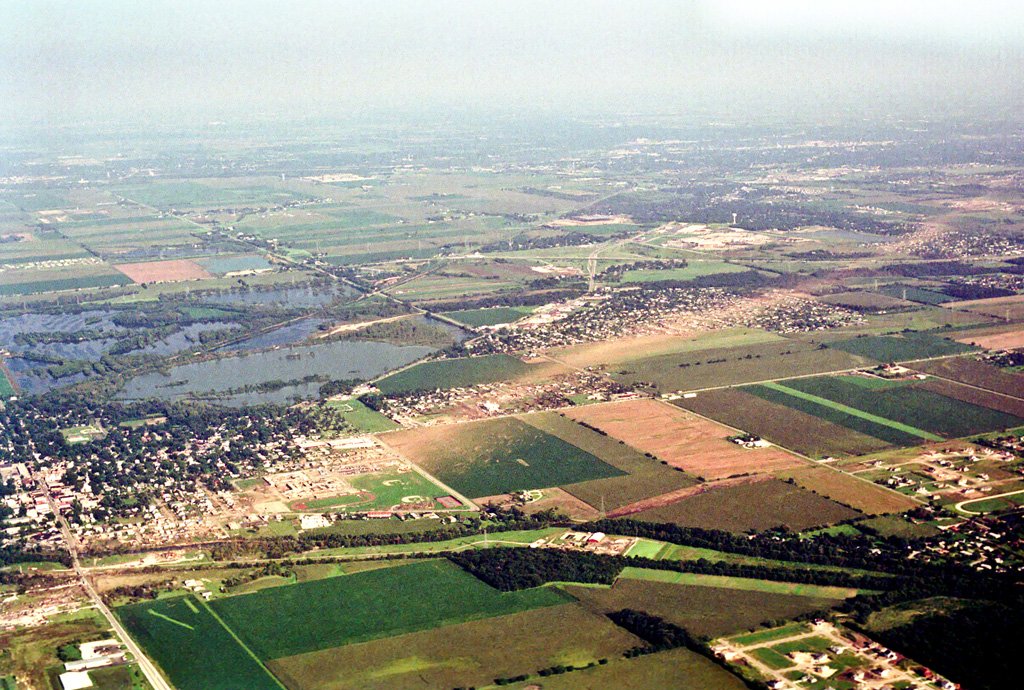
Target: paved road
[147, 667]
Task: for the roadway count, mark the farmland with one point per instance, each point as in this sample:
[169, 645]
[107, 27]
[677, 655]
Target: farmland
[743, 583]
[975, 373]
[488, 317]
[733, 366]
[902, 348]
[906, 408]
[455, 373]
[703, 610]
[462, 654]
[755, 505]
[780, 424]
[682, 440]
[498, 456]
[367, 606]
[847, 490]
[164, 271]
[645, 476]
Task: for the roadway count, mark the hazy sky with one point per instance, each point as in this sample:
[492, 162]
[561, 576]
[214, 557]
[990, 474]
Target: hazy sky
[74, 60]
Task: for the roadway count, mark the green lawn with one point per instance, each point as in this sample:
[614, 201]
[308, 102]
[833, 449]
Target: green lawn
[762, 636]
[743, 583]
[488, 317]
[453, 373]
[362, 417]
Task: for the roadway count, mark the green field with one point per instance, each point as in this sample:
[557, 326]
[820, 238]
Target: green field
[910, 406]
[669, 576]
[693, 269]
[498, 456]
[454, 373]
[381, 491]
[362, 417]
[488, 317]
[177, 194]
[195, 649]
[31, 287]
[763, 636]
[902, 348]
[323, 614]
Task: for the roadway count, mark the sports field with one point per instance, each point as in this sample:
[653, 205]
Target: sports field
[497, 456]
[454, 373]
[360, 416]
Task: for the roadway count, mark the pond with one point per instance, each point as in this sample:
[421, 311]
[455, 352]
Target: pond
[304, 296]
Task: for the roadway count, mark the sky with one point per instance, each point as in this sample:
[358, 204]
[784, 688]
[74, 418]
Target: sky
[67, 61]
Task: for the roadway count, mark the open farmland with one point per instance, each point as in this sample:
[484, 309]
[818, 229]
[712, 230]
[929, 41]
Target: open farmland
[74, 276]
[193, 647]
[969, 394]
[974, 373]
[456, 373]
[908, 405]
[900, 348]
[733, 366]
[497, 456]
[755, 505]
[867, 300]
[164, 271]
[462, 655]
[702, 610]
[744, 583]
[782, 425]
[1010, 308]
[488, 317]
[367, 606]
[995, 337]
[682, 440]
[645, 476]
[856, 493]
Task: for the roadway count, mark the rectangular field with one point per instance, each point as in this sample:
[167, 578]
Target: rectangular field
[193, 647]
[682, 440]
[498, 456]
[455, 373]
[901, 348]
[488, 317]
[689, 371]
[164, 271]
[744, 583]
[323, 614]
[462, 655]
[780, 424]
[856, 493]
[702, 610]
[645, 476]
[975, 373]
[362, 417]
[756, 505]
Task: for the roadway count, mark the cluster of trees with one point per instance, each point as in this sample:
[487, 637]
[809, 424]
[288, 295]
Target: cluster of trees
[512, 569]
[658, 633]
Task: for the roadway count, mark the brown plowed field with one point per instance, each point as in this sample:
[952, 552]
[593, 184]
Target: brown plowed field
[994, 401]
[999, 338]
[975, 373]
[757, 505]
[681, 439]
[851, 491]
[164, 271]
[781, 425]
[1011, 307]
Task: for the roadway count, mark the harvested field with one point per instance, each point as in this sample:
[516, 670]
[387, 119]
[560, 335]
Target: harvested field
[710, 611]
[974, 373]
[497, 456]
[164, 271]
[995, 337]
[757, 505]
[681, 439]
[861, 495]
[719, 367]
[1010, 308]
[781, 425]
[645, 476]
[626, 349]
[462, 655]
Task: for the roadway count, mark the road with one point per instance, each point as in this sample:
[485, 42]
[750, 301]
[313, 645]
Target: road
[148, 669]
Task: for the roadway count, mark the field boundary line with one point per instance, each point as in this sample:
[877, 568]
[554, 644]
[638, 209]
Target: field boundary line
[825, 402]
[241, 644]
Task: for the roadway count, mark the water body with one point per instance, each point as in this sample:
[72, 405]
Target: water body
[32, 378]
[289, 297]
[292, 333]
[51, 323]
[338, 360]
[185, 339]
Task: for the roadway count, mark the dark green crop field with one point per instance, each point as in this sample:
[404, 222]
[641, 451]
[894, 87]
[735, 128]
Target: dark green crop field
[322, 614]
[192, 647]
[488, 317]
[901, 348]
[452, 373]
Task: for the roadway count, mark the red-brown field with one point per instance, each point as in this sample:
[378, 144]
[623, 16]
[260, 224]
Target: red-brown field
[1011, 307]
[975, 396]
[974, 373]
[994, 338]
[856, 493]
[757, 505]
[164, 271]
[786, 427]
[681, 439]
